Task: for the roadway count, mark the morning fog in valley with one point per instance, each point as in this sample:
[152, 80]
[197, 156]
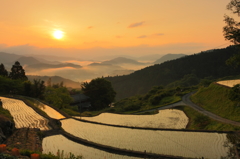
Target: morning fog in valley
[119, 79]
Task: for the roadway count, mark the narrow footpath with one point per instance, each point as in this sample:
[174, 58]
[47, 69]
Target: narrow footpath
[186, 101]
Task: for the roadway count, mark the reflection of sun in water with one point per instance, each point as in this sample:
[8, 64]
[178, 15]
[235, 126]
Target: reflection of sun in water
[58, 34]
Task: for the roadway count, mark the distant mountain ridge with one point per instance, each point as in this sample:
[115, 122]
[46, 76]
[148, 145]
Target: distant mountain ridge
[40, 66]
[55, 80]
[151, 57]
[27, 60]
[122, 60]
[7, 57]
[205, 64]
[168, 57]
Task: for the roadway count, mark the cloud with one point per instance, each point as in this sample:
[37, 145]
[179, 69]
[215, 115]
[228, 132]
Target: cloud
[118, 36]
[150, 36]
[90, 27]
[142, 36]
[159, 34]
[133, 25]
[82, 74]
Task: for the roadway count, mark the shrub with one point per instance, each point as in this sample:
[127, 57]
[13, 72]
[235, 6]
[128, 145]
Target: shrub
[202, 121]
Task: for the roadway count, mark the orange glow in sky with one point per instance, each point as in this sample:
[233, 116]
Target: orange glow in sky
[113, 24]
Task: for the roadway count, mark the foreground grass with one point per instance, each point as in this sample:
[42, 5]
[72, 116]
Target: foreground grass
[198, 121]
[133, 105]
[215, 99]
[5, 113]
[128, 106]
[59, 155]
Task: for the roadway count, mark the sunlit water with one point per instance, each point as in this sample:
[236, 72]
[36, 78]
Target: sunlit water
[186, 144]
[229, 83]
[58, 142]
[50, 111]
[169, 118]
[23, 115]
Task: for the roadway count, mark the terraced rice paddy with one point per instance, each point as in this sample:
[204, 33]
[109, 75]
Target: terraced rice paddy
[50, 111]
[23, 115]
[169, 118]
[186, 144]
[229, 83]
[58, 142]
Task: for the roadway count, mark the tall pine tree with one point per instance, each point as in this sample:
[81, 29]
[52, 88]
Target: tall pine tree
[3, 71]
[17, 72]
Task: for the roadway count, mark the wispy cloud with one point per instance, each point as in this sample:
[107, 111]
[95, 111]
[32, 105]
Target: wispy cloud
[142, 36]
[133, 25]
[150, 36]
[118, 36]
[158, 34]
[90, 27]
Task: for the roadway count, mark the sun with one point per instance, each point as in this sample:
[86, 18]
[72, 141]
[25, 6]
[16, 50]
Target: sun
[58, 34]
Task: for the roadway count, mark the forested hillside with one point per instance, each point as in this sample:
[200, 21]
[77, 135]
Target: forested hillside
[189, 69]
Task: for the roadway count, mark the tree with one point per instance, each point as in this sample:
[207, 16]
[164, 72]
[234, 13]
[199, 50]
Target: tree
[3, 71]
[10, 86]
[234, 94]
[17, 72]
[38, 88]
[100, 91]
[58, 97]
[231, 31]
[58, 85]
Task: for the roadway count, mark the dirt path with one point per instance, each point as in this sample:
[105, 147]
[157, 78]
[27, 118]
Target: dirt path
[186, 100]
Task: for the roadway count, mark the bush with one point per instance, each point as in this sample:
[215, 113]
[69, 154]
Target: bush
[132, 107]
[6, 156]
[202, 121]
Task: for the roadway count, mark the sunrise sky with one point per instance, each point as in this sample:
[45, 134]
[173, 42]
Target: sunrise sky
[99, 27]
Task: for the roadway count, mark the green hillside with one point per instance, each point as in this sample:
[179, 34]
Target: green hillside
[215, 99]
[158, 97]
[190, 69]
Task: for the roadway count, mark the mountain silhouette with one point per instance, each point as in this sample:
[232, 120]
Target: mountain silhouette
[168, 57]
[122, 60]
[205, 64]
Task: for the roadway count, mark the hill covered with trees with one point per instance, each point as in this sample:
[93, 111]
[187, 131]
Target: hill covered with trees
[183, 72]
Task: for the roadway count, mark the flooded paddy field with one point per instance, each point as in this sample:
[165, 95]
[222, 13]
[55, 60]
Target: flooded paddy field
[229, 83]
[177, 143]
[23, 115]
[50, 111]
[169, 118]
[58, 142]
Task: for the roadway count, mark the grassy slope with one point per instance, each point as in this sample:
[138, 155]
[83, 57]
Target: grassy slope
[5, 113]
[207, 124]
[215, 99]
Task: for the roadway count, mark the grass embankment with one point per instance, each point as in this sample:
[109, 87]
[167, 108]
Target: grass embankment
[198, 121]
[5, 113]
[136, 104]
[155, 98]
[27, 153]
[215, 99]
[133, 105]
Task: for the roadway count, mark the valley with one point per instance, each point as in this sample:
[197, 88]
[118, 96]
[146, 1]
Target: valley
[190, 144]
[158, 122]
[118, 79]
